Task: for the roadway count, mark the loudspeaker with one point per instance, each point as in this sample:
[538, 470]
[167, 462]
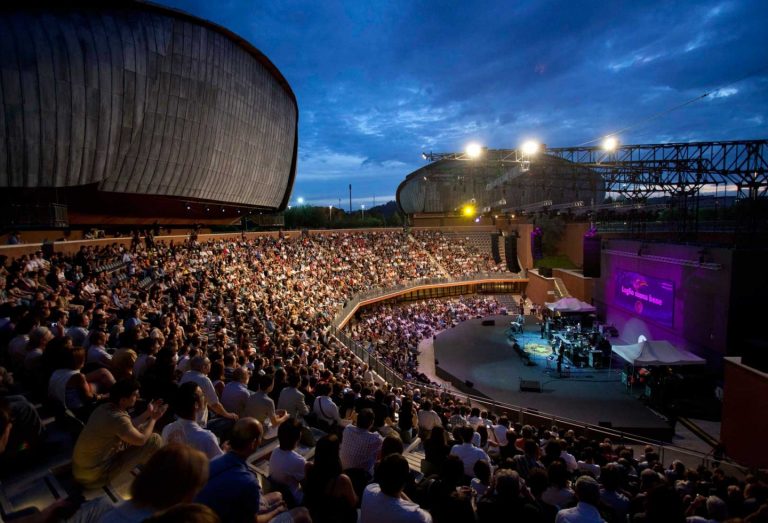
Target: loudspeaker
[469, 384]
[510, 253]
[489, 323]
[591, 247]
[530, 386]
[605, 424]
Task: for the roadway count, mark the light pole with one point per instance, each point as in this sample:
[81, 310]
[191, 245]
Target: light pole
[329, 212]
[362, 210]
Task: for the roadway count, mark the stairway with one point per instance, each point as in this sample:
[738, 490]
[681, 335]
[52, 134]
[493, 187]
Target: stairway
[437, 264]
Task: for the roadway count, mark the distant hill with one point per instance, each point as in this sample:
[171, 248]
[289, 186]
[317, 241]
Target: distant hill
[386, 210]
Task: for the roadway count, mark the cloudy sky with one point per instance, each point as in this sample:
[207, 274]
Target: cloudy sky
[378, 82]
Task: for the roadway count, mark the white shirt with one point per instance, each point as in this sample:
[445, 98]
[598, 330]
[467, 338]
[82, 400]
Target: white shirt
[569, 460]
[469, 455]
[97, 354]
[581, 513]
[429, 419]
[190, 433]
[211, 398]
[500, 431]
[377, 507]
[287, 468]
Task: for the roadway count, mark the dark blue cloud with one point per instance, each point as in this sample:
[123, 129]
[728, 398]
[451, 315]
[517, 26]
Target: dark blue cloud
[377, 83]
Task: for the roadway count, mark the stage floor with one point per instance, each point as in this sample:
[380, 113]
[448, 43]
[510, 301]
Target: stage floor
[484, 356]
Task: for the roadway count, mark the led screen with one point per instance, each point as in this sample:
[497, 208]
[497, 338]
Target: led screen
[648, 297]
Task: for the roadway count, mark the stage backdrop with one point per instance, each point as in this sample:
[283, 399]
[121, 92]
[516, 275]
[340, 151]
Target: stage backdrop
[647, 297]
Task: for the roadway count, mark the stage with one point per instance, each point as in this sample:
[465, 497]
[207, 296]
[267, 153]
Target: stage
[483, 356]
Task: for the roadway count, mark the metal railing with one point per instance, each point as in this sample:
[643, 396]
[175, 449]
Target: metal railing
[483, 277]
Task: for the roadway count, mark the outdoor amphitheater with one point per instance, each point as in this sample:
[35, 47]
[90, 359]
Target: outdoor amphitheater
[550, 334]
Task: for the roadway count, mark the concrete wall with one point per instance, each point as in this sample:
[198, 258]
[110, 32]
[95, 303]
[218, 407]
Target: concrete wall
[142, 99]
[578, 286]
[571, 244]
[540, 289]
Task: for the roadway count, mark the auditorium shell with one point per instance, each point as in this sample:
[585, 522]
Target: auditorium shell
[495, 184]
[128, 109]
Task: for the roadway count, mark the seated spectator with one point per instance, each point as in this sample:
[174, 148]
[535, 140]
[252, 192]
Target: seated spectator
[185, 430]
[529, 460]
[716, 510]
[428, 419]
[385, 501]
[198, 373]
[360, 447]
[173, 475]
[236, 392]
[436, 449]
[112, 443]
[324, 407]
[467, 452]
[71, 389]
[261, 407]
[481, 483]
[287, 467]
[328, 493]
[291, 399]
[97, 351]
[559, 492]
[610, 495]
[233, 490]
[587, 465]
[509, 496]
[588, 494]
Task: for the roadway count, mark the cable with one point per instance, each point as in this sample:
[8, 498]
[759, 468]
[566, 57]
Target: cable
[680, 106]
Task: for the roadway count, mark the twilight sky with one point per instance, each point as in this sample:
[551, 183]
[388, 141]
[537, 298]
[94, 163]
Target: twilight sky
[378, 82]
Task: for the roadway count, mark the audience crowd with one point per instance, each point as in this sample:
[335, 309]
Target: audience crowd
[393, 332]
[457, 254]
[175, 355]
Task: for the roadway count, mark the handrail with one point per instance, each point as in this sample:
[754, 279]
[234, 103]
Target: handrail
[351, 305]
[395, 379]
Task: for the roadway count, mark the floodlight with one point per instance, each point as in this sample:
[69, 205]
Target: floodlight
[473, 150]
[530, 147]
[610, 143]
[468, 210]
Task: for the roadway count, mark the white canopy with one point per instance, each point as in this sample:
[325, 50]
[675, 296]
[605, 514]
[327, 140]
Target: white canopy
[570, 305]
[656, 352]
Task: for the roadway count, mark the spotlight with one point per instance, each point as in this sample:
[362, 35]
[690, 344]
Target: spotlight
[473, 150]
[468, 210]
[189, 207]
[610, 143]
[207, 209]
[530, 147]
